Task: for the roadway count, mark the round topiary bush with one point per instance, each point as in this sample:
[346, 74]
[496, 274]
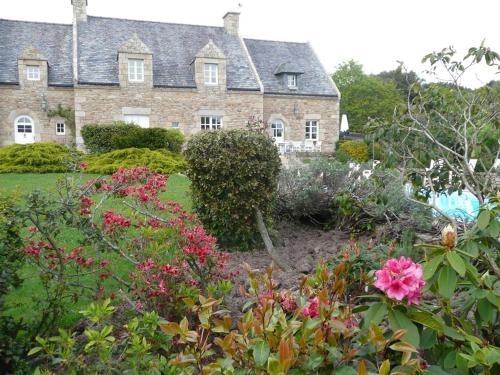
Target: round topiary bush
[161, 161]
[353, 150]
[36, 158]
[233, 173]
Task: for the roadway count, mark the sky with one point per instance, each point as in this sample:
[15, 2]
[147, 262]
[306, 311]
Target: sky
[377, 34]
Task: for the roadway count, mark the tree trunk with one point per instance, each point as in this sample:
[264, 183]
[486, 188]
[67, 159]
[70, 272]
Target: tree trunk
[267, 241]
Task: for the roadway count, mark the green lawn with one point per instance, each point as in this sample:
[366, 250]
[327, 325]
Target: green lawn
[19, 303]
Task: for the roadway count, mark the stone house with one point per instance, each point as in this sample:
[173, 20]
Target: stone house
[167, 75]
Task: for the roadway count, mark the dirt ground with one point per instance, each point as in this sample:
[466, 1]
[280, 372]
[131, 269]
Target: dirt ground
[301, 247]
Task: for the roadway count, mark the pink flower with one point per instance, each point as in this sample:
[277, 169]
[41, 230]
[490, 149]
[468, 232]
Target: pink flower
[401, 278]
[312, 309]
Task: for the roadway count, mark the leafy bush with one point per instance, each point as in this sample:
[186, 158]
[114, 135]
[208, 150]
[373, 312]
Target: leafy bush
[99, 350]
[355, 150]
[166, 249]
[37, 158]
[160, 161]
[233, 173]
[14, 339]
[99, 137]
[152, 138]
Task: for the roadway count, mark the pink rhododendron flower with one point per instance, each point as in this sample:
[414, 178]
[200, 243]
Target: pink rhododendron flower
[312, 309]
[401, 278]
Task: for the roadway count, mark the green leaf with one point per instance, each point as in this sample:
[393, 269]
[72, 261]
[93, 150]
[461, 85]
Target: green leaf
[435, 370]
[428, 338]
[374, 314]
[344, 370]
[315, 360]
[456, 262]
[428, 320]
[34, 350]
[399, 320]
[447, 281]
[261, 352]
[385, 368]
[471, 248]
[483, 219]
[450, 359]
[486, 310]
[431, 266]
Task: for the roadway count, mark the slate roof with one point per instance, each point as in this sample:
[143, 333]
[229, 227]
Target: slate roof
[174, 46]
[54, 41]
[268, 55]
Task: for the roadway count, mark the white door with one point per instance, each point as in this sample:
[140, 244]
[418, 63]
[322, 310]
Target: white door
[141, 120]
[278, 132]
[24, 130]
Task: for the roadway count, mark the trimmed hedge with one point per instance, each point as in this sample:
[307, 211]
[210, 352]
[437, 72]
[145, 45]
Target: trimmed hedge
[36, 158]
[161, 161]
[99, 137]
[353, 150]
[232, 173]
[152, 138]
[120, 135]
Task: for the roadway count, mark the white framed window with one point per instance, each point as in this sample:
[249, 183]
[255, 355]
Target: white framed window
[312, 130]
[33, 72]
[135, 70]
[175, 125]
[277, 130]
[292, 81]
[211, 73]
[60, 128]
[141, 120]
[211, 122]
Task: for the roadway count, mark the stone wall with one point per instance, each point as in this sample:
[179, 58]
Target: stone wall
[294, 111]
[33, 101]
[97, 104]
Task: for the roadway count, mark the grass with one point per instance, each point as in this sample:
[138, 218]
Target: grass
[21, 303]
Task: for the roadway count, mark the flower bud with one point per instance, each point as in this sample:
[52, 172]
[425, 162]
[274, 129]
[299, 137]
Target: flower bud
[448, 237]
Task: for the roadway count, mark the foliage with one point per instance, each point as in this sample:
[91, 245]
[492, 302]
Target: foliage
[355, 150]
[313, 331]
[364, 97]
[105, 347]
[450, 125]
[168, 254]
[67, 113]
[233, 174]
[99, 137]
[332, 193]
[402, 78]
[14, 340]
[161, 161]
[37, 158]
[152, 138]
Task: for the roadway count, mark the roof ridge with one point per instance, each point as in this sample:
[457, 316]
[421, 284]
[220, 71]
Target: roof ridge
[272, 40]
[40, 22]
[160, 22]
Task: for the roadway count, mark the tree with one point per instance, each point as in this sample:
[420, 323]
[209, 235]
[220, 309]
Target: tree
[365, 97]
[402, 78]
[448, 124]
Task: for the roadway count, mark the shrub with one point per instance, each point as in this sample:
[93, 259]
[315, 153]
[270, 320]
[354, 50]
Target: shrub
[233, 173]
[37, 158]
[355, 150]
[160, 161]
[164, 251]
[14, 340]
[99, 137]
[152, 138]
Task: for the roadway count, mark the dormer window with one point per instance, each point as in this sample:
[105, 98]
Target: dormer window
[136, 70]
[292, 81]
[211, 73]
[33, 72]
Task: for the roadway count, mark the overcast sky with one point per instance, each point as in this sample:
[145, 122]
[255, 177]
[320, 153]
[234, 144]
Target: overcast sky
[375, 33]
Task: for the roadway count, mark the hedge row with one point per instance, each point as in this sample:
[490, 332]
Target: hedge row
[100, 138]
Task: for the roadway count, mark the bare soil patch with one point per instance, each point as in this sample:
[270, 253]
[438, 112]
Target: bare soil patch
[302, 247]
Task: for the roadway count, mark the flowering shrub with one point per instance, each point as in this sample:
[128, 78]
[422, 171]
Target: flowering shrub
[169, 254]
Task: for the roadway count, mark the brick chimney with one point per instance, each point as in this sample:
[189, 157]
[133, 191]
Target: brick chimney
[232, 23]
[79, 10]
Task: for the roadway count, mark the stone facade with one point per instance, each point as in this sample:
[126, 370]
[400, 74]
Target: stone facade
[238, 96]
